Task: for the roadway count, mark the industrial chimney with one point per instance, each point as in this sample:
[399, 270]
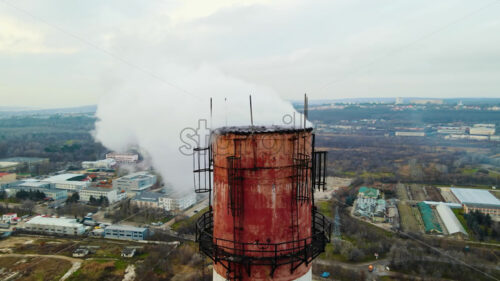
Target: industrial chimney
[262, 223]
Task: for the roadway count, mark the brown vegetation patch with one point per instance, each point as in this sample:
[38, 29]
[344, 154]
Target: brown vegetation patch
[433, 194]
[38, 268]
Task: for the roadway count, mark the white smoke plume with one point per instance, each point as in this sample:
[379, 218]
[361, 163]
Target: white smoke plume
[151, 115]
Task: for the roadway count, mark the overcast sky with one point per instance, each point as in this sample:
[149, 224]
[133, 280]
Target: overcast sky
[56, 53]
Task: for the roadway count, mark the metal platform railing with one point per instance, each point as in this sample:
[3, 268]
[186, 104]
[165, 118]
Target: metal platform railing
[263, 253]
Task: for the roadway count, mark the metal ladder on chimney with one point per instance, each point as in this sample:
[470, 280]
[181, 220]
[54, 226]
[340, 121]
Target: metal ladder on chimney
[300, 191]
[235, 185]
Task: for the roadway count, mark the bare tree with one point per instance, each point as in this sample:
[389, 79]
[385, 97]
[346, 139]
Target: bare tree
[28, 206]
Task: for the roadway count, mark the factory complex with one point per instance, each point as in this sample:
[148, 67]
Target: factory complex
[52, 225]
[435, 210]
[97, 183]
[168, 201]
[135, 182]
[49, 225]
[477, 200]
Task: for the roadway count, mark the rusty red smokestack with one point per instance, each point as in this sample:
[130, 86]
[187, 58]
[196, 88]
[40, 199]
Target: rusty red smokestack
[263, 224]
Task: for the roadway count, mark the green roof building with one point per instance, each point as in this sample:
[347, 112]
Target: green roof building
[431, 225]
[368, 192]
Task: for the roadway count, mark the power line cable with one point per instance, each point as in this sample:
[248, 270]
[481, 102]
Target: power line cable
[434, 248]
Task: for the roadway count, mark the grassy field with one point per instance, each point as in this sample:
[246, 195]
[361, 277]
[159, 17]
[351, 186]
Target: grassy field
[64, 246]
[469, 171]
[105, 263]
[459, 213]
[99, 270]
[349, 174]
[409, 222]
[378, 175]
[348, 241]
[31, 269]
[326, 208]
[496, 193]
[401, 192]
[46, 247]
[329, 254]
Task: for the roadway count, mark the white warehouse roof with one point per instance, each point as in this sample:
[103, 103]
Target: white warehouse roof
[477, 197]
[64, 222]
[125, 228]
[450, 220]
[138, 175]
[33, 183]
[63, 177]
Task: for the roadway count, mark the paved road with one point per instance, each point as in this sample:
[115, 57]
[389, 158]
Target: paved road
[196, 208]
[379, 266]
[73, 269]
[189, 212]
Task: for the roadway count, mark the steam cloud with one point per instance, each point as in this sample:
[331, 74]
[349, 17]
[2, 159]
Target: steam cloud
[151, 115]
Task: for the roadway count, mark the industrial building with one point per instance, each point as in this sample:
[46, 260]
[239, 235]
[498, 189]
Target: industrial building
[452, 130]
[69, 182]
[431, 224]
[56, 194]
[467, 137]
[63, 226]
[9, 216]
[36, 185]
[368, 192]
[482, 129]
[31, 183]
[110, 193]
[410, 134]
[169, 201]
[107, 163]
[123, 158]
[135, 182]
[147, 199]
[393, 214]
[7, 177]
[8, 166]
[175, 201]
[373, 209]
[477, 200]
[125, 232]
[450, 221]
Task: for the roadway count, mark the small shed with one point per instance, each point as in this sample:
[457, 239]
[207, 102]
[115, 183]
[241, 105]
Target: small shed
[80, 252]
[128, 252]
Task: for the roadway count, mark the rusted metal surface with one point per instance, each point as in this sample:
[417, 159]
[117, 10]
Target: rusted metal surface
[268, 178]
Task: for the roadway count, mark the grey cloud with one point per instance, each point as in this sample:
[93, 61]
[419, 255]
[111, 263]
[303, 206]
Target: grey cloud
[291, 47]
